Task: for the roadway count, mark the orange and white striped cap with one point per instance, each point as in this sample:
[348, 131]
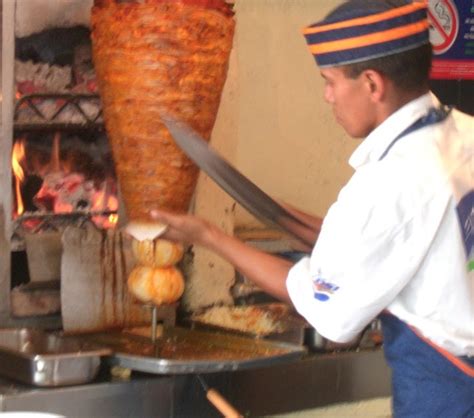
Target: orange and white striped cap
[360, 30]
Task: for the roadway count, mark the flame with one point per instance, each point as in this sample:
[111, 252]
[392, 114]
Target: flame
[18, 155]
[113, 219]
[65, 191]
[103, 200]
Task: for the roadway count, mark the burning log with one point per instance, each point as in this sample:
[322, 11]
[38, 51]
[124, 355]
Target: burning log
[41, 77]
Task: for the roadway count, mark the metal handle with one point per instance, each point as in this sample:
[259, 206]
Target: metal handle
[222, 405]
[219, 402]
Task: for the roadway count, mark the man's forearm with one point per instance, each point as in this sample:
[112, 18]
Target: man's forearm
[314, 221]
[265, 270]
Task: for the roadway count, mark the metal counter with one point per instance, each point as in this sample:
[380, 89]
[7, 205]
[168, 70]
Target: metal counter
[316, 380]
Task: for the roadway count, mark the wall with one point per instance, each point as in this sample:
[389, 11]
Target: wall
[274, 126]
[288, 141]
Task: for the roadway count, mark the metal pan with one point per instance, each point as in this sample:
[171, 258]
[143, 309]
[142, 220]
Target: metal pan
[41, 359]
[181, 350]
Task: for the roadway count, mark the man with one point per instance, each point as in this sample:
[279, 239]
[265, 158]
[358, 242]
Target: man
[398, 242]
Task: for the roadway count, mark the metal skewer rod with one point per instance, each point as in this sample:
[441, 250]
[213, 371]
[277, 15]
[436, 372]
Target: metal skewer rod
[154, 322]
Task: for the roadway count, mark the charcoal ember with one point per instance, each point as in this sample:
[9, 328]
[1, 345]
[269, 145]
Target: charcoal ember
[62, 193]
[33, 77]
[42, 78]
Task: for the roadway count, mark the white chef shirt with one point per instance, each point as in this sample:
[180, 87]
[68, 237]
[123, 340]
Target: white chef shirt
[392, 239]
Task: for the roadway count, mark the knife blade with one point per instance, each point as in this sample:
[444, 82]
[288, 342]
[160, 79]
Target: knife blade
[239, 187]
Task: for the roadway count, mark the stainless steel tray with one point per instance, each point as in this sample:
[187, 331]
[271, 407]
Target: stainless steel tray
[181, 350]
[42, 359]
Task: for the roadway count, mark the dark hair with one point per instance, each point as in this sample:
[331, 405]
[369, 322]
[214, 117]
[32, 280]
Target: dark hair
[409, 70]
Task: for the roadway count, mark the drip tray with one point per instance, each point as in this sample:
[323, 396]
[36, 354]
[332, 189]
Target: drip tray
[178, 350]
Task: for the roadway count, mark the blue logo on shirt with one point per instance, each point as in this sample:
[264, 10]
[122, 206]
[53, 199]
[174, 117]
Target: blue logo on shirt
[323, 290]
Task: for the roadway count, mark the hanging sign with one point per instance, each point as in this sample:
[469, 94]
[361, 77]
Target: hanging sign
[452, 37]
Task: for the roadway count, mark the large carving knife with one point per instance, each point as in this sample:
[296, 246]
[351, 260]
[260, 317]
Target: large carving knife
[236, 184]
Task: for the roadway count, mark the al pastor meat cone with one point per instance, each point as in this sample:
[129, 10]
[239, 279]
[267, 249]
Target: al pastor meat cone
[157, 57]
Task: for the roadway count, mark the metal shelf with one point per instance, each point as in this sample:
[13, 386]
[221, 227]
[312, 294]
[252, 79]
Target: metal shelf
[72, 112]
[50, 220]
[63, 127]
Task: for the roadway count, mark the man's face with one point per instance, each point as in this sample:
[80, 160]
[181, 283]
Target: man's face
[350, 101]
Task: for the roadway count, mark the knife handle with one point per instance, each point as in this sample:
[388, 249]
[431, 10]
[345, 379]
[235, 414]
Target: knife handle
[222, 405]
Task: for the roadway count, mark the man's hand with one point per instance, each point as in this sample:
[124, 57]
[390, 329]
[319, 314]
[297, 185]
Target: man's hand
[184, 228]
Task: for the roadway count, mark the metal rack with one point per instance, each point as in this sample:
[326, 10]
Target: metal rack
[30, 114]
[50, 221]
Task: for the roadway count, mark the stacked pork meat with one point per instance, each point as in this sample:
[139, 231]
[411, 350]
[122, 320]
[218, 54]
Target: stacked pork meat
[153, 58]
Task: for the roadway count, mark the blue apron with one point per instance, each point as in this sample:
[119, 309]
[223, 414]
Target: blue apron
[426, 382]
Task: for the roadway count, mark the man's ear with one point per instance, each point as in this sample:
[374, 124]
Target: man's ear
[375, 83]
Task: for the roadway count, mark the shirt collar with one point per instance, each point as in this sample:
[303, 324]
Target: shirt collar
[380, 138]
